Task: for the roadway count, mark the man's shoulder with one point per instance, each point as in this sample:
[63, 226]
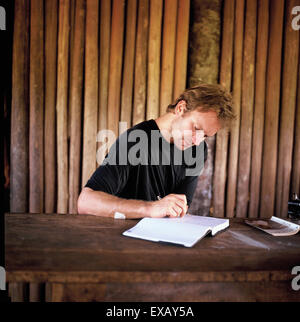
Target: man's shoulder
[145, 125]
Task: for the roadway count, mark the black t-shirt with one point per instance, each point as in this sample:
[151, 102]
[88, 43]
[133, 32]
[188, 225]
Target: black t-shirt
[156, 169]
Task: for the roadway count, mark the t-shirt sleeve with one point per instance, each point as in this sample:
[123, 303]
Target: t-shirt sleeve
[110, 176]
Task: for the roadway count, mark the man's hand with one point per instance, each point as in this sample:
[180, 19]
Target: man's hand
[172, 205]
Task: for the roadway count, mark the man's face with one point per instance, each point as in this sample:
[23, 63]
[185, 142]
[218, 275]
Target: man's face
[192, 127]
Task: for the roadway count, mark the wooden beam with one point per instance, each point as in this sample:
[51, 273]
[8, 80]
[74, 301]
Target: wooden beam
[259, 111]
[129, 60]
[295, 186]
[90, 125]
[246, 110]
[168, 54]
[105, 22]
[115, 65]
[51, 19]
[269, 164]
[154, 47]
[76, 103]
[287, 117]
[140, 86]
[237, 92]
[181, 50]
[62, 106]
[36, 118]
[105, 28]
[220, 165]
[20, 110]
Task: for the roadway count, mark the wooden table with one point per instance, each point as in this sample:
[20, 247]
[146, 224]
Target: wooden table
[85, 258]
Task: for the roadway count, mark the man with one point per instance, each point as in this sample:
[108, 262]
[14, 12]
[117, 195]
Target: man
[163, 181]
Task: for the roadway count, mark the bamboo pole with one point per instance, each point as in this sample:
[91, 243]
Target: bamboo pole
[36, 118]
[20, 110]
[259, 111]
[295, 186]
[237, 92]
[105, 21]
[269, 163]
[115, 65]
[61, 106]
[71, 55]
[181, 51]
[128, 70]
[18, 292]
[247, 110]
[36, 292]
[91, 91]
[139, 108]
[51, 19]
[168, 54]
[288, 102]
[154, 47]
[219, 179]
[76, 86]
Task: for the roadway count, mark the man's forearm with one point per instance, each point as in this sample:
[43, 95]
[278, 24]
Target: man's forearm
[103, 204]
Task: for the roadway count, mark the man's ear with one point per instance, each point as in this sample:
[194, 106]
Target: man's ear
[180, 107]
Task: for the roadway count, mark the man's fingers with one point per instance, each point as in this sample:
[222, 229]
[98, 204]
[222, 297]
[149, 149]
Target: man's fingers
[182, 201]
[182, 205]
[174, 212]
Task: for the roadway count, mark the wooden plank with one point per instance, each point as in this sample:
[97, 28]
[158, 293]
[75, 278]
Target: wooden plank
[168, 54]
[76, 86]
[246, 110]
[90, 125]
[140, 86]
[129, 59]
[51, 19]
[269, 164]
[61, 106]
[36, 292]
[287, 117]
[105, 21]
[18, 292]
[204, 52]
[105, 26]
[212, 292]
[147, 276]
[220, 165]
[154, 48]
[237, 92]
[115, 65]
[71, 48]
[36, 116]
[20, 110]
[295, 186]
[181, 51]
[259, 111]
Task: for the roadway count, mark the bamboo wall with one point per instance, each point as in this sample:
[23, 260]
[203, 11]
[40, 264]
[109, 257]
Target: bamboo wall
[257, 162]
[82, 66]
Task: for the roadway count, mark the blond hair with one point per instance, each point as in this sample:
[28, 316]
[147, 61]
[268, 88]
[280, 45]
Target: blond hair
[208, 97]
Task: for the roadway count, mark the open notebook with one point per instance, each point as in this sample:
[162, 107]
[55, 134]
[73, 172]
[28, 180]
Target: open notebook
[186, 231]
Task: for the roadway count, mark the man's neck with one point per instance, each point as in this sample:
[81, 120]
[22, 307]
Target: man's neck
[164, 124]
